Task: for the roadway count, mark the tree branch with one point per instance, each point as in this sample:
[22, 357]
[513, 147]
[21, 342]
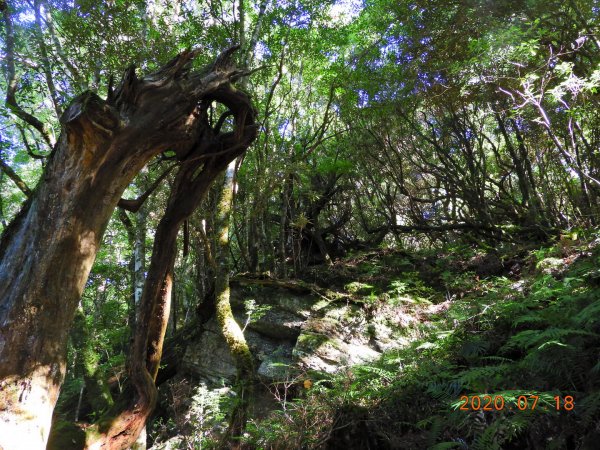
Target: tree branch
[11, 77]
[431, 228]
[46, 68]
[28, 148]
[16, 178]
[134, 205]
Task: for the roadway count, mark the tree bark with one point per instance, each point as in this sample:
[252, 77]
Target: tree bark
[118, 430]
[232, 332]
[46, 253]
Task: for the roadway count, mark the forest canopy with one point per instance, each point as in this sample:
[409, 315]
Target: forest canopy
[163, 164]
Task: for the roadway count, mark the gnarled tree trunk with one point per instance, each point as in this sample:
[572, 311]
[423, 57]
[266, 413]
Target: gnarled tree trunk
[118, 430]
[46, 253]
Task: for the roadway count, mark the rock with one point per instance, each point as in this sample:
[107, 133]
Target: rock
[486, 265]
[208, 356]
[299, 332]
[278, 324]
[518, 286]
[340, 337]
[173, 443]
[319, 352]
[277, 365]
[279, 298]
[552, 266]
[386, 337]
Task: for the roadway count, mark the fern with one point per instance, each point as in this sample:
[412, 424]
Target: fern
[496, 359]
[530, 338]
[435, 431]
[589, 408]
[588, 316]
[596, 368]
[447, 445]
[481, 378]
[529, 319]
[543, 339]
[474, 348]
[444, 390]
[383, 374]
[486, 440]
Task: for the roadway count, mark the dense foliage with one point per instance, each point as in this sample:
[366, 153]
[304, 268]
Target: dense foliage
[491, 363]
[449, 128]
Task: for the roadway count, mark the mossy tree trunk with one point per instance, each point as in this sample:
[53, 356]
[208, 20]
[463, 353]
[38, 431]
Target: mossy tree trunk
[118, 429]
[231, 330]
[46, 253]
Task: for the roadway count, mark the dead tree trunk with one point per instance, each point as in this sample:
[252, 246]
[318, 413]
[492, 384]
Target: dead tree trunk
[46, 253]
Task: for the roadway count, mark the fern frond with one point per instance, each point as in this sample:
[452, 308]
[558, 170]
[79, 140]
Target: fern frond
[590, 408]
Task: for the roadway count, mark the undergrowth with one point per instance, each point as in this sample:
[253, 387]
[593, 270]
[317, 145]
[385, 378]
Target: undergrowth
[526, 347]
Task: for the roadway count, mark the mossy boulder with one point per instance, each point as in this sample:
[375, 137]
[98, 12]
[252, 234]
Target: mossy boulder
[300, 331]
[552, 266]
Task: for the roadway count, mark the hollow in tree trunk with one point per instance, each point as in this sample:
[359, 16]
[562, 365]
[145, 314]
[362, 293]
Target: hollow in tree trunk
[47, 251]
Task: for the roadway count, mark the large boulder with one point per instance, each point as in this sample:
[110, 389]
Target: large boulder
[208, 356]
[335, 336]
[301, 331]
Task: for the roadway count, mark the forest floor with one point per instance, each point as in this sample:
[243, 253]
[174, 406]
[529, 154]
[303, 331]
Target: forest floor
[502, 350]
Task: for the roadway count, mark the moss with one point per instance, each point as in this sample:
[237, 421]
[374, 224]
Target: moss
[311, 340]
[356, 287]
[327, 324]
[65, 435]
[230, 328]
